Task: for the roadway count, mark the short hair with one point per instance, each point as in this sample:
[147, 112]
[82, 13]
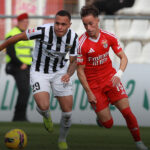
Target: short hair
[89, 10]
[63, 13]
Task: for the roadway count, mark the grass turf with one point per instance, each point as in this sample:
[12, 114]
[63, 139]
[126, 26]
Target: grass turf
[81, 137]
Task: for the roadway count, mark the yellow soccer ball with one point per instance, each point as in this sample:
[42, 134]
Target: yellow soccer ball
[16, 139]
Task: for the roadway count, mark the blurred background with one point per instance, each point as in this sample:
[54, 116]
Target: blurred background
[129, 20]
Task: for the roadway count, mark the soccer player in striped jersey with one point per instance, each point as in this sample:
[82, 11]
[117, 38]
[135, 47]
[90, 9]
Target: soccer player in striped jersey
[97, 76]
[50, 69]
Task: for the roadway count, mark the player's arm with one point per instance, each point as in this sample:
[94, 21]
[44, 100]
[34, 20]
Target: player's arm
[71, 69]
[123, 60]
[83, 80]
[123, 64]
[115, 44]
[73, 60]
[72, 65]
[13, 39]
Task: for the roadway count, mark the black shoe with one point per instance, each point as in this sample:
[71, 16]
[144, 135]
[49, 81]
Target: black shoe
[98, 122]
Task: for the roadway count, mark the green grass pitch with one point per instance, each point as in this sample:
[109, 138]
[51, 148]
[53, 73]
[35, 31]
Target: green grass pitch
[81, 137]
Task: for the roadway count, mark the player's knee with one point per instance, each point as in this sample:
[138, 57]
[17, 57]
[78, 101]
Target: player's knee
[66, 119]
[41, 109]
[108, 124]
[44, 107]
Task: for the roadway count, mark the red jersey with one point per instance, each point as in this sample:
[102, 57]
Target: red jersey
[94, 54]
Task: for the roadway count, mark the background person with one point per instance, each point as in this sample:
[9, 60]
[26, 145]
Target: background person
[110, 7]
[18, 61]
[97, 76]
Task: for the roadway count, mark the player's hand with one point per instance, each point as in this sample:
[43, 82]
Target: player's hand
[91, 98]
[65, 78]
[115, 81]
[23, 67]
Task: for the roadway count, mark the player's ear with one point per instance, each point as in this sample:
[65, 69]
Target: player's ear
[70, 23]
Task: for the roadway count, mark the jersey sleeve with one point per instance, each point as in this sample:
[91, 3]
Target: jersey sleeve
[116, 45]
[74, 48]
[35, 33]
[81, 58]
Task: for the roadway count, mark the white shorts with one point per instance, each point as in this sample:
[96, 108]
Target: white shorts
[41, 82]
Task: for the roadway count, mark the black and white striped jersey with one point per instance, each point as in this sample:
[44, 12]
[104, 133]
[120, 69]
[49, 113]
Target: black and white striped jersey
[50, 51]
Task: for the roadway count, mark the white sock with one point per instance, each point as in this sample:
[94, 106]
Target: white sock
[138, 142]
[65, 124]
[44, 113]
[140, 145]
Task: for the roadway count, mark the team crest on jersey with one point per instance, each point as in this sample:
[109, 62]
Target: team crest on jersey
[105, 43]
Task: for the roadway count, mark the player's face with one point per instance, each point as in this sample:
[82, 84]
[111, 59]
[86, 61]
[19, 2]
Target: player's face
[62, 23]
[91, 25]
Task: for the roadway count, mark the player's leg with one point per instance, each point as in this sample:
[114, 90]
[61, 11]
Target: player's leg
[101, 108]
[40, 87]
[105, 118]
[119, 98]
[63, 92]
[124, 108]
[66, 103]
[42, 101]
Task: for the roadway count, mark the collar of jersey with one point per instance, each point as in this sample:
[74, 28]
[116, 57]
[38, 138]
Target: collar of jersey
[95, 40]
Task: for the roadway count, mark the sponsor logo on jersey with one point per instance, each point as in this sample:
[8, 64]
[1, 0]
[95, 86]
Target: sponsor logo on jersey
[99, 60]
[68, 46]
[91, 50]
[105, 43]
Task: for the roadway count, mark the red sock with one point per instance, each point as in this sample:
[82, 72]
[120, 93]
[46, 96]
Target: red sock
[131, 123]
[107, 124]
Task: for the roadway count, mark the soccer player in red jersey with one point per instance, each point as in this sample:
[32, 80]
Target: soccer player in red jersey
[97, 76]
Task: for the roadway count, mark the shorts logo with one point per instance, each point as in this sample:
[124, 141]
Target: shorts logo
[105, 43]
[65, 84]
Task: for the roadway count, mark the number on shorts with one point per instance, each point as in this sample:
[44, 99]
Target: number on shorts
[36, 87]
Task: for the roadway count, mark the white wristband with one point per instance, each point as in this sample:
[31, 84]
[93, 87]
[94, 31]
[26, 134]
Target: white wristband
[119, 73]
